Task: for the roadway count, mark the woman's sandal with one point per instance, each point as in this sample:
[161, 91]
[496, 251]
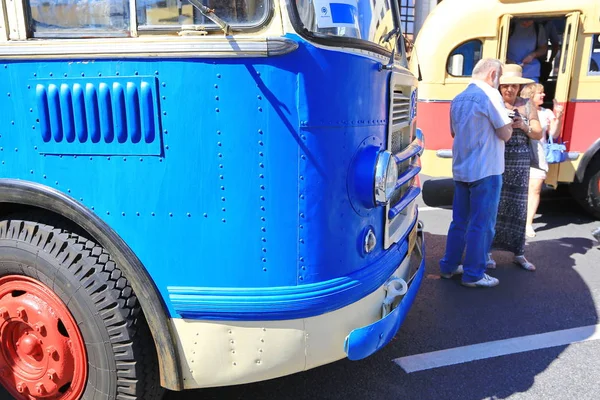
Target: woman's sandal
[522, 262]
[490, 263]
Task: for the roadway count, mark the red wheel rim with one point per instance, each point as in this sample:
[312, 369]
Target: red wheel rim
[42, 355]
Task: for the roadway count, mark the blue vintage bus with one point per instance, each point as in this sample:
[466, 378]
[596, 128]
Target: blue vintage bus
[201, 193]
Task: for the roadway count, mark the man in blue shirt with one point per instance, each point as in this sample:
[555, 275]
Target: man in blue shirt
[480, 125]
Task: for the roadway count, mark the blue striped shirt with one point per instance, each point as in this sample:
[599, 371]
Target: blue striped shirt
[475, 114]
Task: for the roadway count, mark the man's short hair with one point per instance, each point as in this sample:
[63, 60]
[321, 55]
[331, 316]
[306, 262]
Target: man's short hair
[485, 65]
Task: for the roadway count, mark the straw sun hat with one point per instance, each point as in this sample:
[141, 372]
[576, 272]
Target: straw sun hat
[513, 74]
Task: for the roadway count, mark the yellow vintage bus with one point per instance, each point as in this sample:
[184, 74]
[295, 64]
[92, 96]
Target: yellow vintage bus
[460, 32]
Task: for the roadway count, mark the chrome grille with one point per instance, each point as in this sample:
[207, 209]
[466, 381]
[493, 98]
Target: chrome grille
[400, 137]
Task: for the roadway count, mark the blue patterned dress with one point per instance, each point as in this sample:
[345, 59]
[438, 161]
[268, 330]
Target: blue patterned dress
[512, 209]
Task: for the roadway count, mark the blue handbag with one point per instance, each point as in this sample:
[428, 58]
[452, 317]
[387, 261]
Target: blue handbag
[555, 152]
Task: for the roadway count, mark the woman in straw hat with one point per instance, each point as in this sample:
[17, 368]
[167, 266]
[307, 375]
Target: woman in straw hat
[512, 210]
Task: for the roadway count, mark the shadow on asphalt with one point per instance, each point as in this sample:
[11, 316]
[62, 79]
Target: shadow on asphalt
[555, 297]
[447, 315]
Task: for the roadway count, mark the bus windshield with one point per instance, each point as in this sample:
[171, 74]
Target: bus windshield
[369, 20]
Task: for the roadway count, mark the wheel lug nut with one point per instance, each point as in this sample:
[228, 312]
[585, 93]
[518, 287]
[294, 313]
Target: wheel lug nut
[21, 387]
[4, 313]
[52, 351]
[40, 388]
[21, 313]
[40, 328]
[52, 375]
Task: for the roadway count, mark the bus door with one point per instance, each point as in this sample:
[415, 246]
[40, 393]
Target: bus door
[565, 70]
[503, 33]
[567, 59]
[563, 81]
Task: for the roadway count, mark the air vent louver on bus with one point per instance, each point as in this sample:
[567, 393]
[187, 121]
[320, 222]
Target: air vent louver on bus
[400, 109]
[104, 116]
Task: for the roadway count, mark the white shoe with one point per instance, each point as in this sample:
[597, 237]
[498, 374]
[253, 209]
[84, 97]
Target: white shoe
[529, 231]
[490, 263]
[486, 281]
[458, 271]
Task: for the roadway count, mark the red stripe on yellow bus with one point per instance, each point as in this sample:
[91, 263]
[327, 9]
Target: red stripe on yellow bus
[434, 120]
[580, 129]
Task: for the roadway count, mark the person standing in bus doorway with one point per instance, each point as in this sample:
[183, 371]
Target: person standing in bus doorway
[479, 125]
[527, 42]
[512, 210]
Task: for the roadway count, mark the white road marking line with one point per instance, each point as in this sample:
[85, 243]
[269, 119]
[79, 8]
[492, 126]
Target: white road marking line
[434, 208]
[481, 351]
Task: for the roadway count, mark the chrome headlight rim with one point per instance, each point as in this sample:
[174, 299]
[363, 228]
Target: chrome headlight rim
[386, 174]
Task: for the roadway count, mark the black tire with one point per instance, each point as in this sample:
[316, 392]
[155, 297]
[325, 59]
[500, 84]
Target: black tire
[121, 357]
[587, 192]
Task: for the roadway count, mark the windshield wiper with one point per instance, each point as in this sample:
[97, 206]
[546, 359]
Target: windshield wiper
[210, 14]
[391, 34]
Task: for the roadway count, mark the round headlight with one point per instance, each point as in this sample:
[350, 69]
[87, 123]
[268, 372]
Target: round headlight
[386, 175]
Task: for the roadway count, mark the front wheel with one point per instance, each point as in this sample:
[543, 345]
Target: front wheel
[70, 325]
[587, 192]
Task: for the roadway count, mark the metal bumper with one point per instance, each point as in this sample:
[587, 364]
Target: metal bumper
[362, 342]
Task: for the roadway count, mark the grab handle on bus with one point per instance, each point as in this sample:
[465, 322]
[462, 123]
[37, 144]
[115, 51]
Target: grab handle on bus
[413, 149]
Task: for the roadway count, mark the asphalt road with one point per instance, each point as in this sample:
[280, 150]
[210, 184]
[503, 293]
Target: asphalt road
[561, 294]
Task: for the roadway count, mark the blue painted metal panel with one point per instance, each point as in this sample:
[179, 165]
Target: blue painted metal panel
[363, 342]
[281, 302]
[233, 173]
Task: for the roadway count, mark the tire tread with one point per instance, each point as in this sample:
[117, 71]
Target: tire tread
[115, 301]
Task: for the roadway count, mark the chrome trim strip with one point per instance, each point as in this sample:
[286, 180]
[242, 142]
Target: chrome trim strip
[280, 46]
[135, 47]
[411, 194]
[409, 152]
[380, 191]
[444, 153]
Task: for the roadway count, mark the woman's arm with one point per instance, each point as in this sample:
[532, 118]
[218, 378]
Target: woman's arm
[539, 52]
[554, 128]
[533, 128]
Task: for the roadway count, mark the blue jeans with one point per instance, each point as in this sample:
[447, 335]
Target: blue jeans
[474, 211]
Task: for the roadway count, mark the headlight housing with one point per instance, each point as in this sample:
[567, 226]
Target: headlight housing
[386, 175]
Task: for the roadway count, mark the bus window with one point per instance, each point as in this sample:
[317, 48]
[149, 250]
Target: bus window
[83, 18]
[360, 19]
[160, 14]
[463, 58]
[595, 56]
